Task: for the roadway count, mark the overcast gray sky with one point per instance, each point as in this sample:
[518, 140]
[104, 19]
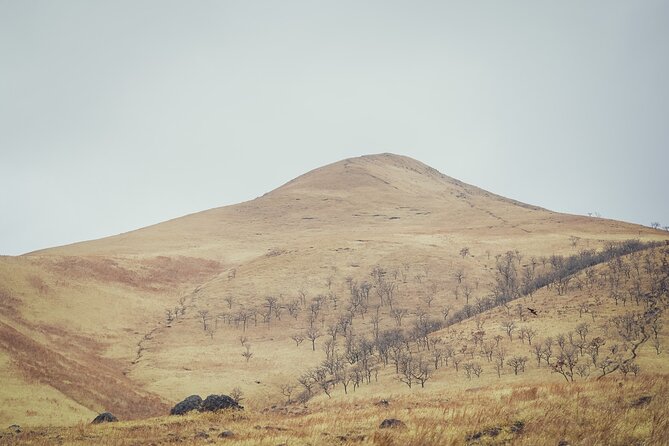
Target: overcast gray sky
[119, 114]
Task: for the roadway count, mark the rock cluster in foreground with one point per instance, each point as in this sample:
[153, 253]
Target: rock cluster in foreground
[212, 403]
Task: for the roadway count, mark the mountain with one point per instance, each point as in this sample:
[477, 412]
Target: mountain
[119, 323]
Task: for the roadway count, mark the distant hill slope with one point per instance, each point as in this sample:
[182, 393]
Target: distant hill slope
[131, 309]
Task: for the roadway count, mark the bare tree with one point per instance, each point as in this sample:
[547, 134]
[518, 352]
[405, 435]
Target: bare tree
[446, 311]
[421, 371]
[582, 330]
[517, 363]
[287, 391]
[398, 314]
[211, 331]
[566, 363]
[464, 252]
[509, 326]
[230, 300]
[530, 333]
[467, 291]
[204, 317]
[307, 380]
[247, 354]
[237, 395]
[312, 334]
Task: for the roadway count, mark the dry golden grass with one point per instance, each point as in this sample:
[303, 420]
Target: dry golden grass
[606, 412]
[99, 307]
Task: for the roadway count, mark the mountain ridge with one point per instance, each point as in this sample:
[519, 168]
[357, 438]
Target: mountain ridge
[376, 184]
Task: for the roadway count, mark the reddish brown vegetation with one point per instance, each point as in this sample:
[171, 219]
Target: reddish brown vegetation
[153, 274]
[91, 381]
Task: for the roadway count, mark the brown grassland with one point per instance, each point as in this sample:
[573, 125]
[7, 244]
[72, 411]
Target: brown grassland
[607, 412]
[365, 251]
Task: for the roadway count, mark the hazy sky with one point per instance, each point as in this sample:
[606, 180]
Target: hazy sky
[119, 114]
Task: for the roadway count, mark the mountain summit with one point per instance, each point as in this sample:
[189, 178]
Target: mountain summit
[382, 194]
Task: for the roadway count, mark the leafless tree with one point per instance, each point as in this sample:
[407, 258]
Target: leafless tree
[230, 300]
[566, 362]
[456, 360]
[386, 292]
[538, 353]
[517, 363]
[293, 308]
[204, 317]
[398, 314]
[446, 311]
[298, 339]
[509, 326]
[287, 391]
[421, 370]
[582, 330]
[467, 291]
[530, 333]
[547, 350]
[464, 252]
[307, 380]
[247, 354]
[583, 370]
[312, 334]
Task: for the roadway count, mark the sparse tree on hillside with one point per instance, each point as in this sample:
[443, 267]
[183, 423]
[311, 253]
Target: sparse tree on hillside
[398, 314]
[312, 334]
[464, 252]
[517, 363]
[467, 292]
[566, 363]
[445, 312]
[421, 371]
[509, 326]
[287, 391]
[293, 308]
[230, 300]
[298, 339]
[307, 380]
[247, 354]
[237, 395]
[204, 317]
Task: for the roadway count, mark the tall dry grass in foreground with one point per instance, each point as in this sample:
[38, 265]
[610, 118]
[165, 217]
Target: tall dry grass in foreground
[606, 412]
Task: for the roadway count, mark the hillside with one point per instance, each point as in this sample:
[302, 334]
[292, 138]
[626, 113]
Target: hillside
[135, 322]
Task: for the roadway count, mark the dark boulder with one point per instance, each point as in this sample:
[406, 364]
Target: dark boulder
[193, 402]
[104, 417]
[392, 423]
[215, 403]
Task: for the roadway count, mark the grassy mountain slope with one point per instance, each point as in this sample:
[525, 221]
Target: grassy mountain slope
[99, 308]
